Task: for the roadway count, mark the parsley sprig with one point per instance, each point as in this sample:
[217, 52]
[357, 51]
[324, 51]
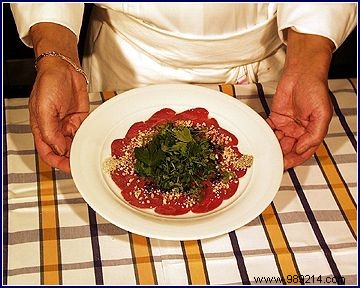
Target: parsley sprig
[177, 159]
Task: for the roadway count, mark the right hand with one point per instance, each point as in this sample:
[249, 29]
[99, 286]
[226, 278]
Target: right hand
[58, 104]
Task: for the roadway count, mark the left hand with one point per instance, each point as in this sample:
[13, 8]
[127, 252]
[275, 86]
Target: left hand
[301, 109]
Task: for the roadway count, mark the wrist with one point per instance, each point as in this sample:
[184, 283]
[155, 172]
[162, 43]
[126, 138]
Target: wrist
[308, 54]
[54, 37]
[65, 59]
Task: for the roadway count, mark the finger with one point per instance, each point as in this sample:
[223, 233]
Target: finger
[309, 153]
[49, 157]
[73, 123]
[45, 115]
[288, 125]
[279, 134]
[271, 123]
[287, 144]
[316, 131]
[292, 129]
[37, 133]
[47, 154]
[68, 146]
[50, 134]
[293, 159]
[310, 139]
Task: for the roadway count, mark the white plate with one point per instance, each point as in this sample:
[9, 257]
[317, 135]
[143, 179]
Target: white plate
[91, 146]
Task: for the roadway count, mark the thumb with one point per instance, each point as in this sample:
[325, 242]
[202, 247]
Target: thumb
[313, 137]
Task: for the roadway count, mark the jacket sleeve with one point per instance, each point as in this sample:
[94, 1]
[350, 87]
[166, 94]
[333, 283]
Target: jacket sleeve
[28, 14]
[332, 20]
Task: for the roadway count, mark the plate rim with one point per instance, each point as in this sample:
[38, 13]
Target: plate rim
[170, 87]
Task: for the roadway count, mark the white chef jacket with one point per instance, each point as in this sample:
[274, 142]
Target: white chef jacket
[135, 44]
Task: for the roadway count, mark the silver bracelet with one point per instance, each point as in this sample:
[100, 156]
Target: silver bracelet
[67, 59]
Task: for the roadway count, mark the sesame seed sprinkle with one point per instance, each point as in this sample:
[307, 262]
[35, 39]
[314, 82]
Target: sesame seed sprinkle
[229, 159]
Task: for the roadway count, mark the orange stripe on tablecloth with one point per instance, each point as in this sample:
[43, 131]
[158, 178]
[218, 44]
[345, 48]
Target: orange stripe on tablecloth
[195, 262]
[284, 257]
[278, 243]
[145, 272]
[106, 95]
[50, 245]
[338, 187]
[228, 89]
[143, 261]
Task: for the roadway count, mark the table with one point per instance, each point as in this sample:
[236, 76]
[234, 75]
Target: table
[308, 234]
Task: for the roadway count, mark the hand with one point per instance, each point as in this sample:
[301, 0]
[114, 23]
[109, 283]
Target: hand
[301, 109]
[58, 104]
[300, 115]
[59, 101]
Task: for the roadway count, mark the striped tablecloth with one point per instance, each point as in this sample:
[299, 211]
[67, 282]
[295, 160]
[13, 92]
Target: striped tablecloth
[308, 234]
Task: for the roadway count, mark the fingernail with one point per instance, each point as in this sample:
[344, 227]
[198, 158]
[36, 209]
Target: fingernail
[57, 150]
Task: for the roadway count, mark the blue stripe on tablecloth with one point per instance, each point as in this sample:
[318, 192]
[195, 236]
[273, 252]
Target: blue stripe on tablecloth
[57, 224]
[315, 226]
[40, 220]
[280, 264]
[102, 97]
[99, 279]
[312, 220]
[344, 206]
[342, 120]
[230, 90]
[5, 207]
[239, 258]
[262, 98]
[352, 85]
[202, 255]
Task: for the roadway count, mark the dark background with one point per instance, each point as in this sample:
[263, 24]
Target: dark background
[18, 60]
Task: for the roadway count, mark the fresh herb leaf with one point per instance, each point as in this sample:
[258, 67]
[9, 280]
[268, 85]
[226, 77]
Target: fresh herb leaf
[142, 155]
[183, 135]
[178, 159]
[179, 146]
